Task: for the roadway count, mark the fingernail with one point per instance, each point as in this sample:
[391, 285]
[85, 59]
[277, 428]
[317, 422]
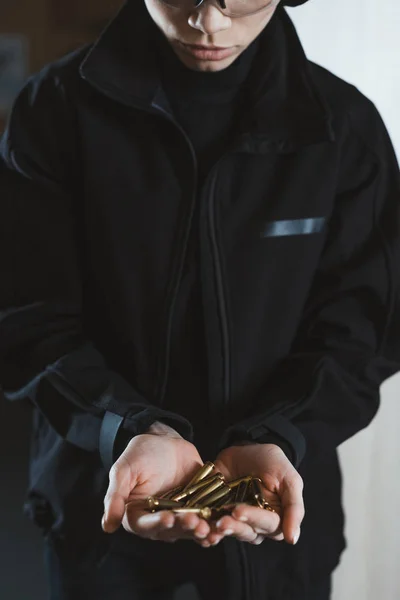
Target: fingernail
[201, 536]
[218, 523]
[149, 520]
[243, 518]
[105, 525]
[296, 537]
[228, 531]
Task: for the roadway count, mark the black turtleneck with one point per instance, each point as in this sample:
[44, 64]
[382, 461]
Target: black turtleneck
[207, 106]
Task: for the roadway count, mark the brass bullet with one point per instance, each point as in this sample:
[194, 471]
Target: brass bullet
[217, 495]
[202, 473]
[258, 491]
[195, 488]
[168, 495]
[234, 484]
[153, 503]
[258, 499]
[224, 500]
[203, 512]
[258, 484]
[228, 506]
[242, 491]
[223, 509]
[267, 506]
[205, 491]
[218, 513]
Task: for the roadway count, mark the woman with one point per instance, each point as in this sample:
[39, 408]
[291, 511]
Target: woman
[203, 232]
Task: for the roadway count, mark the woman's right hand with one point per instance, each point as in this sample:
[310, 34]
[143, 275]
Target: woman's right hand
[152, 464]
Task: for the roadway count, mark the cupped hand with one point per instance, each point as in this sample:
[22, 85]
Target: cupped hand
[282, 488]
[152, 464]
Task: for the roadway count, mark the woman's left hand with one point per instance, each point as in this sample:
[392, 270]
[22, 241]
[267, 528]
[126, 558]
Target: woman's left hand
[283, 487]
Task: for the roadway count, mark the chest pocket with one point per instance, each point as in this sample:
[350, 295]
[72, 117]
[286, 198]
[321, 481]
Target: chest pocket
[292, 227]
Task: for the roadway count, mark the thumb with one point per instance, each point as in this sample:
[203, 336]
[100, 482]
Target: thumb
[119, 488]
[293, 508]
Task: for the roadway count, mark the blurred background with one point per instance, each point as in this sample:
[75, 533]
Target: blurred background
[359, 41]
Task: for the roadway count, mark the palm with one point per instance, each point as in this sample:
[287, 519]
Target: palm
[259, 461]
[157, 465]
[282, 488]
[151, 466]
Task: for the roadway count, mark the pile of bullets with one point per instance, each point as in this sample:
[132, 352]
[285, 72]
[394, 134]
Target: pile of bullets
[209, 495]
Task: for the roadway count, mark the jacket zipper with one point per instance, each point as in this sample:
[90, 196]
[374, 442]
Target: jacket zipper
[221, 296]
[162, 377]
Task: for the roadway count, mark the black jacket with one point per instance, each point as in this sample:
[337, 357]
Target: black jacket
[299, 252]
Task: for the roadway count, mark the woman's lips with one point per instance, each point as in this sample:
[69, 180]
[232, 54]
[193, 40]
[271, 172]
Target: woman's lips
[208, 52]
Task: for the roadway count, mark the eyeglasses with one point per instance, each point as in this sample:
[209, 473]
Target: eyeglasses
[230, 8]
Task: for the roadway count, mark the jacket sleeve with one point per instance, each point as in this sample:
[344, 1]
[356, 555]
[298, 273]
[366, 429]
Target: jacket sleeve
[348, 342]
[45, 356]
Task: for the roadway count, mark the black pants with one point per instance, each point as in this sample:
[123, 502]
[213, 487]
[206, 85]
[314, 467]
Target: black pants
[126, 576]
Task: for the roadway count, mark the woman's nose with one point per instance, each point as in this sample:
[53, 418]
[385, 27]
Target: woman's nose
[209, 19]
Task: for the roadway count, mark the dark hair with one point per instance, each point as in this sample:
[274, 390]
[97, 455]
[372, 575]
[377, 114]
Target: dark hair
[294, 2]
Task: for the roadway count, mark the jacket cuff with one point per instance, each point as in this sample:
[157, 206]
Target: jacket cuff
[116, 432]
[274, 430]
[268, 438]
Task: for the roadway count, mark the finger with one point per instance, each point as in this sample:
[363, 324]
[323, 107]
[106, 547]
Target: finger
[276, 538]
[193, 527]
[164, 525]
[180, 533]
[147, 525]
[218, 533]
[172, 535]
[259, 540]
[228, 526]
[293, 508]
[202, 530]
[184, 527]
[262, 521]
[216, 536]
[187, 522]
[119, 488]
[212, 536]
[214, 540]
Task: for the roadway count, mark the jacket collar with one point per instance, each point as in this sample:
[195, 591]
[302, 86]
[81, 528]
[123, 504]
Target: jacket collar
[285, 110]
